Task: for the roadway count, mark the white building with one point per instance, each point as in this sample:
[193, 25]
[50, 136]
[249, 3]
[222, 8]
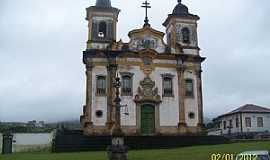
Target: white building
[246, 120]
[161, 82]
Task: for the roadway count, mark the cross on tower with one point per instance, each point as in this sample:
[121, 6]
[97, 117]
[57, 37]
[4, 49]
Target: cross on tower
[146, 5]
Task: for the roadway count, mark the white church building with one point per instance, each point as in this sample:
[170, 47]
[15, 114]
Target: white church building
[161, 84]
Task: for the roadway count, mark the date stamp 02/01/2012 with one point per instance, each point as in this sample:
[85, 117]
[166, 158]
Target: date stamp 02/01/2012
[228, 156]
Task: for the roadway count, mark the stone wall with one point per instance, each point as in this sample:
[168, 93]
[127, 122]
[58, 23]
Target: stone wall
[65, 142]
[29, 142]
[1, 141]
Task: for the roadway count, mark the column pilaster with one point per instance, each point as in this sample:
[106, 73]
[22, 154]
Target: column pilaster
[88, 107]
[111, 70]
[200, 98]
[181, 92]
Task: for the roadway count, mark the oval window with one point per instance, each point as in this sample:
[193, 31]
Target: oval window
[99, 113]
[191, 115]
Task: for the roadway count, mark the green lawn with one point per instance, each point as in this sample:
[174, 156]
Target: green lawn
[187, 153]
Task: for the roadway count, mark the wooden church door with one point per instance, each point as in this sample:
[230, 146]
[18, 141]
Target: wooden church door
[147, 119]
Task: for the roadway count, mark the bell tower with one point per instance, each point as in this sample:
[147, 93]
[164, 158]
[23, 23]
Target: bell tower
[181, 30]
[102, 22]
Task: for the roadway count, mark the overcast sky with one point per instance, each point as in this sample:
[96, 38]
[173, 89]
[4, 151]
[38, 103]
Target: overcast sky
[41, 43]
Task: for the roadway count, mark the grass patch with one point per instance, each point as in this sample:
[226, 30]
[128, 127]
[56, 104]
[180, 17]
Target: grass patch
[190, 153]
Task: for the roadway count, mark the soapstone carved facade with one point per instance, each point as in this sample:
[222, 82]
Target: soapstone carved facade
[161, 82]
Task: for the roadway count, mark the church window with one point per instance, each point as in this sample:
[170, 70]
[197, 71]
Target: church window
[189, 88]
[146, 43]
[127, 83]
[248, 121]
[186, 35]
[101, 85]
[191, 115]
[224, 125]
[167, 85]
[99, 113]
[126, 89]
[102, 29]
[259, 121]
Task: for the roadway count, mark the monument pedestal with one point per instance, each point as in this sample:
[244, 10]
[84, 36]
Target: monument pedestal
[182, 128]
[117, 151]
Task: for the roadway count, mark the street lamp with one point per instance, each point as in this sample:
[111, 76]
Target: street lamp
[117, 150]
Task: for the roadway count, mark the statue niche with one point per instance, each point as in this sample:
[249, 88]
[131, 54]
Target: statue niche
[147, 92]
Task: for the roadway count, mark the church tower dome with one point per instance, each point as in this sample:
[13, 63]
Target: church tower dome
[181, 30]
[103, 3]
[180, 9]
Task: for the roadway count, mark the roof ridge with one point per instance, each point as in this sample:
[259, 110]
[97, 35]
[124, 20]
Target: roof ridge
[247, 108]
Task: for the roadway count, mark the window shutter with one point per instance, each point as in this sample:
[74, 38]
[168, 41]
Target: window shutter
[110, 30]
[95, 30]
[186, 35]
[167, 86]
[102, 28]
[178, 36]
[101, 85]
[189, 88]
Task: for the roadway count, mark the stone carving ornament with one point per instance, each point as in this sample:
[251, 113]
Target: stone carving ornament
[147, 92]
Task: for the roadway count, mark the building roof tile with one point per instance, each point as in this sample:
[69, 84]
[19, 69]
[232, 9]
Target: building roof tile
[248, 108]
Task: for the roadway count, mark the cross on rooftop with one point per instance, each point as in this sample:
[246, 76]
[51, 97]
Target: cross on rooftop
[146, 5]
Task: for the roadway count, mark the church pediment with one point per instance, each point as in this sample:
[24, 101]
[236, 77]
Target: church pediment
[147, 38]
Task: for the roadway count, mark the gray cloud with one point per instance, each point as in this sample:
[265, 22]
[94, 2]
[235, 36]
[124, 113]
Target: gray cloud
[41, 44]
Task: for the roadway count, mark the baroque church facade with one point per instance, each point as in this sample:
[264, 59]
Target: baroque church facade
[161, 85]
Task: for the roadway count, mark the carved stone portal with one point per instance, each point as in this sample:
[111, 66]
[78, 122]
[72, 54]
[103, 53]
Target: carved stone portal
[147, 92]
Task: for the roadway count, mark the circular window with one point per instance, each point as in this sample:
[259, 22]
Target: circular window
[99, 113]
[191, 115]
